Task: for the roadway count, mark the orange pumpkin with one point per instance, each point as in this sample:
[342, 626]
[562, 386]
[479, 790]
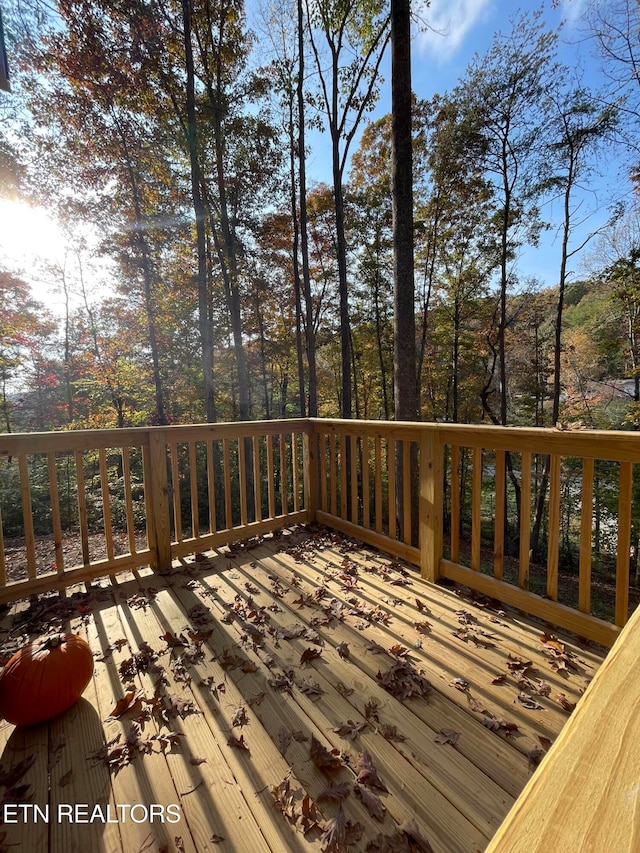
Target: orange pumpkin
[44, 679]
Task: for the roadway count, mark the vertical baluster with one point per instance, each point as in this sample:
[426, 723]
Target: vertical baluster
[586, 519]
[323, 471]
[332, 472]
[391, 474]
[525, 519]
[377, 483]
[126, 469]
[296, 474]
[193, 486]
[175, 487]
[365, 482]
[106, 503]
[82, 507]
[343, 474]
[406, 490]
[242, 480]
[553, 550]
[354, 478]
[257, 478]
[211, 486]
[228, 506]
[455, 503]
[271, 477]
[476, 505]
[498, 528]
[55, 511]
[624, 544]
[283, 476]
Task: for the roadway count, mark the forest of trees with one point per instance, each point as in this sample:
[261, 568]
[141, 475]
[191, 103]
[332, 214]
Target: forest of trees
[243, 290]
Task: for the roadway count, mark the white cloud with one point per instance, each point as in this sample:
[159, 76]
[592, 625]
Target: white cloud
[448, 23]
[573, 10]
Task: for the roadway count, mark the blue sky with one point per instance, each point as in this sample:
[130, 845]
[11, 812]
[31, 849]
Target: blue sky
[457, 29]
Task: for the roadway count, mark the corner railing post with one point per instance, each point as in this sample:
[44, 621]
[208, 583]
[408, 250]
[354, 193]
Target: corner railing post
[430, 503]
[310, 465]
[159, 525]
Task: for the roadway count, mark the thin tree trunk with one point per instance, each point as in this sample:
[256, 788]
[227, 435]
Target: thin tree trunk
[304, 243]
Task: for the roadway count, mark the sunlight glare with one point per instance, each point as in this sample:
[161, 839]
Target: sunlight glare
[28, 234]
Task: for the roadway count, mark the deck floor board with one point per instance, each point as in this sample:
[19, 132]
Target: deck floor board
[229, 667]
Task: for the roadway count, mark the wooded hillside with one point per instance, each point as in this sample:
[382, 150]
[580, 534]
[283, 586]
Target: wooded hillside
[243, 290]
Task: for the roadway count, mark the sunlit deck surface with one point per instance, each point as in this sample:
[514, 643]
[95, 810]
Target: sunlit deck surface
[299, 664]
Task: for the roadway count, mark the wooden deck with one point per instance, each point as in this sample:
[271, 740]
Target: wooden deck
[304, 682]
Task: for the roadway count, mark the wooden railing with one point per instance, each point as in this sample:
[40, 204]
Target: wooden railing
[459, 502]
[137, 497]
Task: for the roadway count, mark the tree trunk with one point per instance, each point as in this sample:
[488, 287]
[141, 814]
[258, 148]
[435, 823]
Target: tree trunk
[304, 243]
[206, 337]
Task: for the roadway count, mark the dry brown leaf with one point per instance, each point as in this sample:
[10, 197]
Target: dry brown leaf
[529, 702]
[325, 760]
[335, 793]
[367, 773]
[391, 733]
[309, 655]
[240, 717]
[371, 801]
[343, 650]
[349, 729]
[338, 833]
[447, 736]
[284, 739]
[130, 703]
[237, 742]
[565, 704]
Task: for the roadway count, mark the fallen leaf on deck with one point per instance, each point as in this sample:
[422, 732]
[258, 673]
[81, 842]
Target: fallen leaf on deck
[375, 648]
[459, 684]
[237, 742]
[423, 627]
[199, 637]
[284, 740]
[564, 703]
[240, 717]
[417, 842]
[518, 665]
[197, 761]
[338, 833]
[499, 679]
[131, 703]
[371, 802]
[391, 734]
[349, 729]
[447, 736]
[217, 839]
[335, 793]
[325, 760]
[545, 742]
[420, 605]
[343, 650]
[399, 651]
[367, 773]
[310, 654]
[343, 690]
[371, 710]
[503, 726]
[552, 643]
[310, 688]
[172, 641]
[529, 702]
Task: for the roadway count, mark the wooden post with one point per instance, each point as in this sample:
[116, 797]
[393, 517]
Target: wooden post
[310, 471]
[159, 530]
[430, 503]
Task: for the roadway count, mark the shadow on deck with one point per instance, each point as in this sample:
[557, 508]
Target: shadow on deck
[297, 682]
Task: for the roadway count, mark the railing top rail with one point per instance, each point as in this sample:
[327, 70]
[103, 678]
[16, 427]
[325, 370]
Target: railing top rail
[618, 445]
[12, 444]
